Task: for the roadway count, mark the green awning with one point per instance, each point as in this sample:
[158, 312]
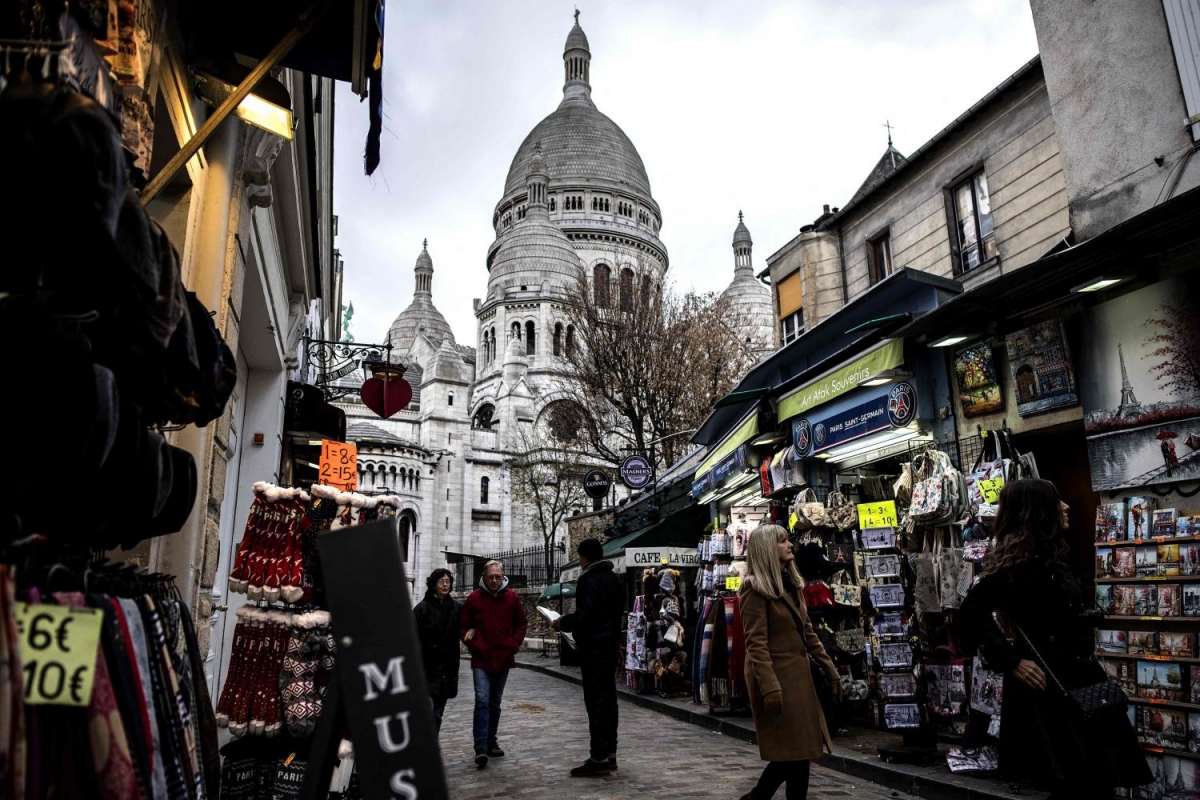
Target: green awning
[742, 434]
[682, 529]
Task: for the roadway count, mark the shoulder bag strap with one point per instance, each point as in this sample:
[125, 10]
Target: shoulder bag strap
[1041, 661]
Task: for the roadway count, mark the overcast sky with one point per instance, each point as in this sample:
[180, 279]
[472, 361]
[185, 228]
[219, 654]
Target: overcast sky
[769, 107]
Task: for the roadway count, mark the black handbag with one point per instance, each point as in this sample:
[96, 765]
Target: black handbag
[1101, 700]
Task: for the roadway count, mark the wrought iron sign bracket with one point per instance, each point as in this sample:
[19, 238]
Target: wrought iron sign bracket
[335, 360]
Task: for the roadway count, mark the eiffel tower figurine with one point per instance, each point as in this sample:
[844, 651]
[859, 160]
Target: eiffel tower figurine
[1129, 407]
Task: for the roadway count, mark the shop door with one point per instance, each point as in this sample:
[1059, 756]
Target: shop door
[225, 603]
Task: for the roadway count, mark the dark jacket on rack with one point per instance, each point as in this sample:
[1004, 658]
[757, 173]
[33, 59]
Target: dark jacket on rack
[1040, 735]
[500, 624]
[777, 659]
[599, 606]
[437, 628]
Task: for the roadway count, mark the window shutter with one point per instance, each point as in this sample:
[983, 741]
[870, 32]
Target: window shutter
[790, 296]
[1183, 20]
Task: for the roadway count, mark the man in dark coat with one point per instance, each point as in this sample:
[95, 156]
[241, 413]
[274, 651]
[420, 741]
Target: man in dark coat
[596, 625]
[493, 626]
[437, 628]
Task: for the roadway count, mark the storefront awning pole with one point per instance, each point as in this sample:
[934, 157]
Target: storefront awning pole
[303, 25]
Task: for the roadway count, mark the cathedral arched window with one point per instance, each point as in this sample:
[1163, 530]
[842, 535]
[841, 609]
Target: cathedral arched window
[530, 341]
[485, 417]
[646, 291]
[570, 339]
[483, 490]
[558, 334]
[493, 355]
[516, 330]
[627, 289]
[601, 275]
[552, 204]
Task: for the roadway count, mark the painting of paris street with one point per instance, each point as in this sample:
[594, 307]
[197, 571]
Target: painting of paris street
[1140, 382]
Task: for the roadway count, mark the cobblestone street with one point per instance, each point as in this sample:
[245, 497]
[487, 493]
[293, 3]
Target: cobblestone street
[543, 731]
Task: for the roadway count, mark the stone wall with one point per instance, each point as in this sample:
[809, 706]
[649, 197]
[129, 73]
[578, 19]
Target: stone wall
[585, 526]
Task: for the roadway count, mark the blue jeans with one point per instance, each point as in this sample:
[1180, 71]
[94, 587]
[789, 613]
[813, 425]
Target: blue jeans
[439, 709]
[489, 689]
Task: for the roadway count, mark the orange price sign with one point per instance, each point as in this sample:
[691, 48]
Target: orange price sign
[339, 465]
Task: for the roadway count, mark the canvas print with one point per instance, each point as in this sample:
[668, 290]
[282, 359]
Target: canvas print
[1141, 390]
[1141, 509]
[1142, 643]
[1105, 562]
[978, 388]
[1146, 602]
[1163, 522]
[1189, 559]
[1104, 598]
[1111, 642]
[1170, 602]
[1125, 565]
[902, 715]
[1110, 522]
[1187, 525]
[1194, 689]
[1146, 562]
[902, 685]
[1040, 361]
[1162, 727]
[1177, 645]
[1125, 600]
[1122, 671]
[1191, 600]
[1180, 778]
[1168, 560]
[1160, 680]
[1193, 724]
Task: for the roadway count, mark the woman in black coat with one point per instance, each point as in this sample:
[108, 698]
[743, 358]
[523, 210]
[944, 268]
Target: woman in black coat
[1028, 584]
[437, 628]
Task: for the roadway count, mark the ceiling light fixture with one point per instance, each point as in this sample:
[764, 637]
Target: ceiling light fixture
[1098, 284]
[947, 341]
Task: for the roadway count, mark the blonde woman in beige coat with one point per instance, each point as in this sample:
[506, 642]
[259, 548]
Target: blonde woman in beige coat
[780, 641]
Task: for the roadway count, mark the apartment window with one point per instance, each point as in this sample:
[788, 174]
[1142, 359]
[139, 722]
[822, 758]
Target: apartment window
[791, 326]
[973, 222]
[879, 256]
[483, 490]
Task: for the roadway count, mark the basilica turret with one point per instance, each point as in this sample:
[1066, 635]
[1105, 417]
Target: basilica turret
[421, 318]
[747, 301]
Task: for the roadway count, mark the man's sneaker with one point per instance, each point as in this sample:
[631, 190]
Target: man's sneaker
[590, 767]
[481, 760]
[494, 751]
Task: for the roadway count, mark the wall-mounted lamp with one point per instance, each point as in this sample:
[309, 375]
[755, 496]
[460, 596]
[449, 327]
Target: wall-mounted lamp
[268, 106]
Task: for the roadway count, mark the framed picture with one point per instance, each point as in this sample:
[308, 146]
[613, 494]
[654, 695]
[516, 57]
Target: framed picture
[1168, 560]
[1125, 600]
[887, 595]
[1170, 602]
[893, 655]
[883, 566]
[1146, 562]
[1162, 727]
[978, 389]
[1160, 680]
[1124, 562]
[879, 538]
[1110, 522]
[1111, 641]
[1177, 645]
[895, 686]
[1137, 416]
[1142, 643]
[890, 625]
[1189, 559]
[902, 715]
[1106, 562]
[1147, 601]
[1042, 373]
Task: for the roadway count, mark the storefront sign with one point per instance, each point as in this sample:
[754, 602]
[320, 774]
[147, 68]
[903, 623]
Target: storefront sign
[703, 485]
[58, 647]
[877, 515]
[339, 465]
[733, 463]
[636, 472]
[894, 407]
[842, 380]
[597, 483]
[990, 489]
[666, 556]
[381, 684]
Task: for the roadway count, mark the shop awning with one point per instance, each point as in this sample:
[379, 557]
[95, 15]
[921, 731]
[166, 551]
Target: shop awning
[843, 378]
[742, 434]
[681, 529]
[852, 329]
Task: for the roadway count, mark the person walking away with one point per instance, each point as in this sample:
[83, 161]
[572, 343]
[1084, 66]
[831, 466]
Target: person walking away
[492, 625]
[596, 625]
[1027, 580]
[781, 647]
[437, 629]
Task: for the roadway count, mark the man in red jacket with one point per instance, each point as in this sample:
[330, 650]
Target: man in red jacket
[493, 626]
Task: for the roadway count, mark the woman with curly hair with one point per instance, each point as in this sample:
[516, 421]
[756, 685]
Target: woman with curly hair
[437, 628]
[1028, 605]
[780, 645]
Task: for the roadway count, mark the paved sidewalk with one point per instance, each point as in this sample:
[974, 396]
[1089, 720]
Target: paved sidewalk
[855, 755]
[543, 730]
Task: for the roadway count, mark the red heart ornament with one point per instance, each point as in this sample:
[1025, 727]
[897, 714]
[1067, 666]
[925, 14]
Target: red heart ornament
[386, 398]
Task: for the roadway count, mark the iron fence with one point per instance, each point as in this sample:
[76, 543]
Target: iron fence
[529, 567]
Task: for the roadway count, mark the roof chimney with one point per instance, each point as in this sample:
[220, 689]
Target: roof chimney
[825, 208]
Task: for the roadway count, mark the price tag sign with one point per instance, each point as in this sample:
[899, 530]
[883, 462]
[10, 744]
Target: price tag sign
[733, 583]
[339, 465]
[990, 489]
[877, 515]
[58, 645]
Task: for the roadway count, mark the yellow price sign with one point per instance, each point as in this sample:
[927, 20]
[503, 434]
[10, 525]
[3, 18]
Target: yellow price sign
[990, 489]
[877, 515]
[733, 583]
[59, 646]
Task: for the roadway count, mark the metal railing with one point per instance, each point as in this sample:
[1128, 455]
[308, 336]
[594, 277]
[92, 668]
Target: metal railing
[530, 567]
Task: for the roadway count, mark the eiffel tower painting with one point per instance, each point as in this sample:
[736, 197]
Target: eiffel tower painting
[1130, 407]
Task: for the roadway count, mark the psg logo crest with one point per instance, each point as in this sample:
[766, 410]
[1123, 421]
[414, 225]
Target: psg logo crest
[902, 404]
[801, 437]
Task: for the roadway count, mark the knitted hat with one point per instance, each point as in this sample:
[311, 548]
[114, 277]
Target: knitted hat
[666, 581]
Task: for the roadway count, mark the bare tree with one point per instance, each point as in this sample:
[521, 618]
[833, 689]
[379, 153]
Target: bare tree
[648, 363]
[547, 471]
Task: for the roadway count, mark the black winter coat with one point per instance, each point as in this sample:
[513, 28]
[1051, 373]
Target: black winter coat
[599, 607]
[1041, 737]
[437, 628]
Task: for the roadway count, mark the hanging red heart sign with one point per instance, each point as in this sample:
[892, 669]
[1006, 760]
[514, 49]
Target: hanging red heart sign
[386, 398]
